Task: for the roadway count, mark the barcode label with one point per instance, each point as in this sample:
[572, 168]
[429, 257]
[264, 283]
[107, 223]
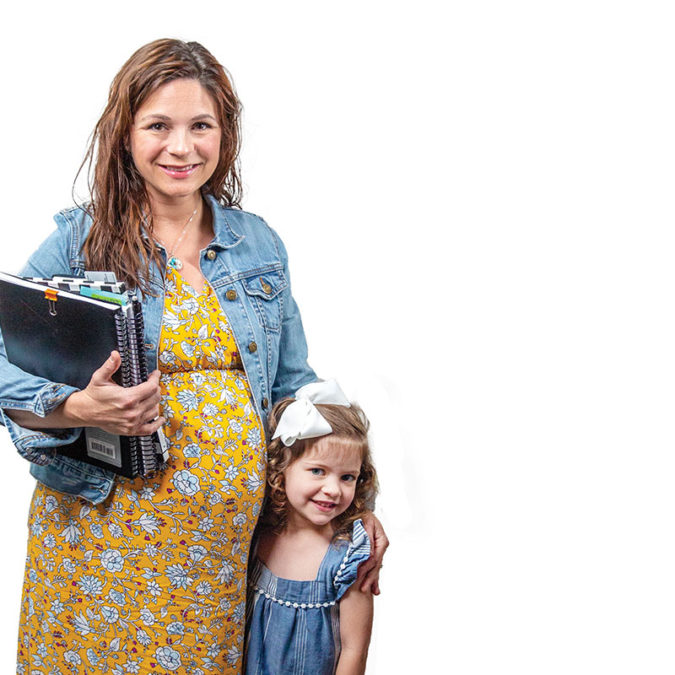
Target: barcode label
[104, 446]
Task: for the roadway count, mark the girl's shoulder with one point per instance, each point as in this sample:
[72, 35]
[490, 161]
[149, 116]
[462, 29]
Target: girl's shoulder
[344, 559]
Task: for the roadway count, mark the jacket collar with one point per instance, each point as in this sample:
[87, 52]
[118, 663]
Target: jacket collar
[224, 235]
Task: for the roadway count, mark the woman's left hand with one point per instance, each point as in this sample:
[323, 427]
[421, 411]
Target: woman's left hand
[369, 572]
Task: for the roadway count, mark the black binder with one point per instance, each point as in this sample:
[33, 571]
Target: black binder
[64, 336]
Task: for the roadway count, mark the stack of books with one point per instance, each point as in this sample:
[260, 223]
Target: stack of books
[63, 329]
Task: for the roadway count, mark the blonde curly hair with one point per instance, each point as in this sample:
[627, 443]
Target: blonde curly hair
[350, 429]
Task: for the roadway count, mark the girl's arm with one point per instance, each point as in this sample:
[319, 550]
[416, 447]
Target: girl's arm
[356, 622]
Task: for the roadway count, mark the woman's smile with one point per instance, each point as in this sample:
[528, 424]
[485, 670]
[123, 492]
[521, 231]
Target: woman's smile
[175, 140]
[179, 171]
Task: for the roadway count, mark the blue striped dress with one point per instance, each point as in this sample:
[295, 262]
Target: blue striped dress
[293, 627]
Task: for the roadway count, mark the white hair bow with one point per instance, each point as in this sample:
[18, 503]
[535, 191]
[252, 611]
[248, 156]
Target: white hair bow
[301, 419]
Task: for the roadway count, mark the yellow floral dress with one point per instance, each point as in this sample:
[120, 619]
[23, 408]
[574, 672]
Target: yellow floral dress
[153, 581]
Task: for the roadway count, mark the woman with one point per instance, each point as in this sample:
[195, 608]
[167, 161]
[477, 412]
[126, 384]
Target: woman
[149, 575]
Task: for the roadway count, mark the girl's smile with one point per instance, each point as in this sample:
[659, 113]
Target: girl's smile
[320, 485]
[324, 506]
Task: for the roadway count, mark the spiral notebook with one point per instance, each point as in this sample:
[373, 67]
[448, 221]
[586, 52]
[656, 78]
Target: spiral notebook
[63, 329]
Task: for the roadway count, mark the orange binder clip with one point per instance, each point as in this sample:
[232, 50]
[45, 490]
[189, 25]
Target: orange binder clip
[51, 297]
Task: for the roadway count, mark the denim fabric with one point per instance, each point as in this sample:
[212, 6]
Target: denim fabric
[293, 627]
[246, 256]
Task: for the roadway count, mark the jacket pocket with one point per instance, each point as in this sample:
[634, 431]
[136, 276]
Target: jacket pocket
[264, 290]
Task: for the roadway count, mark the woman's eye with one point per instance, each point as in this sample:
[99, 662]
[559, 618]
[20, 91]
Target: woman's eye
[157, 126]
[202, 126]
[316, 472]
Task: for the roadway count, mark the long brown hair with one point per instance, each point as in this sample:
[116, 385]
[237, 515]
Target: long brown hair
[350, 429]
[120, 207]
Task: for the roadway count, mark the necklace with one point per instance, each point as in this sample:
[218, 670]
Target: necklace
[172, 260]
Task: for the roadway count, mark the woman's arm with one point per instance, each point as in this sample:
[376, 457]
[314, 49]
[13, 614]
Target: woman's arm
[20, 390]
[30, 397]
[356, 622]
[369, 572]
[293, 371]
[130, 411]
[31, 403]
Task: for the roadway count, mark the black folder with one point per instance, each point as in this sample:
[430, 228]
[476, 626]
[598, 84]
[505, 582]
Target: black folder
[64, 337]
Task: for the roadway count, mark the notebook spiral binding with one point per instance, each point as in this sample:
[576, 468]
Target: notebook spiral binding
[146, 445]
[120, 326]
[124, 348]
[140, 336]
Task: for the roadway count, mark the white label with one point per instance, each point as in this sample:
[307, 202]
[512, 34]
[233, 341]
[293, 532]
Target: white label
[163, 445]
[104, 446]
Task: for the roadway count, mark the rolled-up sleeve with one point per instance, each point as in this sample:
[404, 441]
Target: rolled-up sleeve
[37, 445]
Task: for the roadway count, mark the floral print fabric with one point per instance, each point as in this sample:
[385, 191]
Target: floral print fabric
[153, 581]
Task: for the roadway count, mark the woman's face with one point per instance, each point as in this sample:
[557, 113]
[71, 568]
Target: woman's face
[175, 140]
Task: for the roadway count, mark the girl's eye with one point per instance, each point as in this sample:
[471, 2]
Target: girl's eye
[316, 472]
[348, 478]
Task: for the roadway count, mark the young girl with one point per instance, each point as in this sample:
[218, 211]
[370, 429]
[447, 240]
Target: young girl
[305, 614]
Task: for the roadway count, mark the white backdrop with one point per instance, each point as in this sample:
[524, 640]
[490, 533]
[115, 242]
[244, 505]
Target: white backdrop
[477, 204]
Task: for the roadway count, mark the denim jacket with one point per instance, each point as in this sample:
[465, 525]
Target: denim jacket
[247, 267]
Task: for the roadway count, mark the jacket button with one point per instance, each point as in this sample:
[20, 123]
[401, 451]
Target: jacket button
[265, 286]
[252, 347]
[231, 294]
[211, 254]
[265, 403]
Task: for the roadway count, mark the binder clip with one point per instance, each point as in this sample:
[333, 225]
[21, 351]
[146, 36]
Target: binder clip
[51, 297]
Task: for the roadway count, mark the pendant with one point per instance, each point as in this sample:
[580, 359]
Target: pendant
[174, 263]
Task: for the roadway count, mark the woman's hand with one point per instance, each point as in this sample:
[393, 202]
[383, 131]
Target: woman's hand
[129, 411]
[369, 572]
[126, 411]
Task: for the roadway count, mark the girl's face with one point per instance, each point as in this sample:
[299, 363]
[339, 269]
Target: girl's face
[320, 485]
[175, 140]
